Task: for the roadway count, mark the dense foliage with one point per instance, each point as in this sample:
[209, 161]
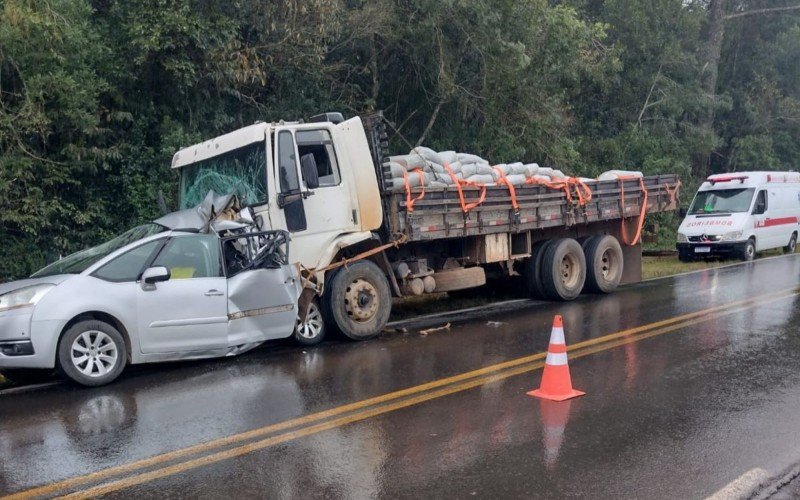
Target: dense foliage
[96, 95]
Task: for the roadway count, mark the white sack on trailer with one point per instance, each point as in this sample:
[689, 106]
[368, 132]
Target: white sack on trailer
[409, 162]
[612, 175]
[428, 154]
[470, 158]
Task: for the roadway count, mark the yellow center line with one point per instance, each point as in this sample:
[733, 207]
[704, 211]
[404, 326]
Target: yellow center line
[340, 410]
[239, 451]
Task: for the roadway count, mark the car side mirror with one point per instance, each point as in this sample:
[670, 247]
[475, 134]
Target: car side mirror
[153, 275]
[308, 165]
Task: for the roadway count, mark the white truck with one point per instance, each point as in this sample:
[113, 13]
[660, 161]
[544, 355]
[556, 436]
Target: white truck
[740, 214]
[328, 182]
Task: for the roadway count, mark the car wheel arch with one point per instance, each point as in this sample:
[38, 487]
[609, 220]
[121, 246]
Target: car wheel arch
[105, 317]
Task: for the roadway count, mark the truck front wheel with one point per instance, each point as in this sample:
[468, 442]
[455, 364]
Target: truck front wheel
[358, 301]
[563, 269]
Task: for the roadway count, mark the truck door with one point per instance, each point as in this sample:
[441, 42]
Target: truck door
[290, 195]
[328, 210]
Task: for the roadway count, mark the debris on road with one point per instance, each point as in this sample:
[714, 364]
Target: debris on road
[436, 329]
[494, 324]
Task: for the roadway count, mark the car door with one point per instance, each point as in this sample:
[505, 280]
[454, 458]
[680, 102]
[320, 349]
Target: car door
[262, 301]
[188, 312]
[313, 217]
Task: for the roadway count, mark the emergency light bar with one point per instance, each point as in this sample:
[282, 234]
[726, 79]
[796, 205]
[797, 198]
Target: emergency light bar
[727, 178]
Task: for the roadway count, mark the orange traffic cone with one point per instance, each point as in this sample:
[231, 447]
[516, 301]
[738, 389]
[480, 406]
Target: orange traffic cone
[556, 381]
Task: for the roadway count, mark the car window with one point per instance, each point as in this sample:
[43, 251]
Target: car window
[128, 266]
[194, 256]
[319, 143]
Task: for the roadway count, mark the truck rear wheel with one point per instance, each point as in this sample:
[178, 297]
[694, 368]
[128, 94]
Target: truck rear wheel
[533, 270]
[563, 269]
[603, 264]
[358, 301]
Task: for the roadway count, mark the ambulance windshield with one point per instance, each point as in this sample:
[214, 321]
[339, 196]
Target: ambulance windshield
[722, 201]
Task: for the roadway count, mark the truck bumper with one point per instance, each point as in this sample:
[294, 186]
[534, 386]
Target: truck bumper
[726, 249]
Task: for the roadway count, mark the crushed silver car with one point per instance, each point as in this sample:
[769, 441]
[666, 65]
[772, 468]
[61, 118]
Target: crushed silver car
[199, 283]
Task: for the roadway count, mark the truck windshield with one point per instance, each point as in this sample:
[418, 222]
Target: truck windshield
[722, 201]
[242, 171]
[80, 261]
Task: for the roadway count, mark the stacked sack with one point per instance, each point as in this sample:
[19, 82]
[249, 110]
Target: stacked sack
[467, 167]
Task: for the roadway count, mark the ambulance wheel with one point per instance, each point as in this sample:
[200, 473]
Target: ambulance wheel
[792, 246]
[748, 252]
[358, 301]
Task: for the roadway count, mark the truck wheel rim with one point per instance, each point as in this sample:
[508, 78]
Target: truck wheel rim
[570, 270]
[361, 300]
[312, 326]
[609, 265]
[94, 353]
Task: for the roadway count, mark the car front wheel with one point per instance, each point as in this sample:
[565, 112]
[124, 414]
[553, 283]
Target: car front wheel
[91, 353]
[312, 330]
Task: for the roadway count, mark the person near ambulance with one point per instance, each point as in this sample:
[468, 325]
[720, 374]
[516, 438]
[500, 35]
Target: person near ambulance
[739, 214]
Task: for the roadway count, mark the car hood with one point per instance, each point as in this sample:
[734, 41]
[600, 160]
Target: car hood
[16, 285]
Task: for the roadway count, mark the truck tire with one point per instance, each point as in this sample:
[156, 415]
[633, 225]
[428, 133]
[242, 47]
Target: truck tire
[748, 252]
[358, 301]
[604, 264]
[563, 270]
[533, 270]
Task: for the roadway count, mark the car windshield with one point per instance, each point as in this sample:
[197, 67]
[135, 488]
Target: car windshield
[722, 201]
[80, 261]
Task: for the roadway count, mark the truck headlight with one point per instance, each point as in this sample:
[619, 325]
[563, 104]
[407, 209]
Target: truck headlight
[732, 236]
[682, 238]
[24, 297]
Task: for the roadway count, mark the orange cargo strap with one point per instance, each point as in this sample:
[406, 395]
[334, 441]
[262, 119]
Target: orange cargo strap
[570, 186]
[409, 201]
[511, 191]
[465, 207]
[642, 211]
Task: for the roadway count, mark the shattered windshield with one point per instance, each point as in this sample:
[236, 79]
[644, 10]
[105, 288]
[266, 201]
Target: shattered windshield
[242, 172]
[80, 261]
[722, 201]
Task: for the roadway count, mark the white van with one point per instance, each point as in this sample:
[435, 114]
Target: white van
[740, 214]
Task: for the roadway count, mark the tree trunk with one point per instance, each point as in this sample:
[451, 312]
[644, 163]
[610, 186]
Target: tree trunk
[710, 52]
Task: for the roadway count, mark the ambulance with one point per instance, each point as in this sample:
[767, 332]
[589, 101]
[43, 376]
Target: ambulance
[740, 214]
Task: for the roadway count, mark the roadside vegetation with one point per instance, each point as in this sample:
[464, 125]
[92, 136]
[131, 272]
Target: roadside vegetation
[96, 96]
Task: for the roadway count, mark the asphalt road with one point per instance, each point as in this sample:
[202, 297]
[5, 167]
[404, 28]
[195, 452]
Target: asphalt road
[691, 382]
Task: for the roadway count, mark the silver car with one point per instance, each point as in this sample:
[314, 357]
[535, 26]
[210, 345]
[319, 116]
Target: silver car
[155, 293]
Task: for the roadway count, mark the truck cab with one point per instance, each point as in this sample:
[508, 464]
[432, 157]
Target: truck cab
[740, 214]
[315, 180]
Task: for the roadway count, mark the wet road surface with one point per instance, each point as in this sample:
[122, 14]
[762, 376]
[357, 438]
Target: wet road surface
[691, 382]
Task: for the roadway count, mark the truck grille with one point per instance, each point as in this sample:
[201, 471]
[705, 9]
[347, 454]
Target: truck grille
[705, 238]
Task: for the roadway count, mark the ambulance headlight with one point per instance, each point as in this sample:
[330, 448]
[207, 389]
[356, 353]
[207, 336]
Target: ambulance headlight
[682, 238]
[732, 236]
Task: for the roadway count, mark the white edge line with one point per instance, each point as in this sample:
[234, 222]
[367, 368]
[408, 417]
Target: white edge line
[743, 486]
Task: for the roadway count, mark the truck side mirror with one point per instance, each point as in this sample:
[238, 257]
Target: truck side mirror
[308, 165]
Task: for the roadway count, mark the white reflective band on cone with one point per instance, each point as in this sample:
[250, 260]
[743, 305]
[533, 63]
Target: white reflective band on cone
[556, 358]
[557, 336]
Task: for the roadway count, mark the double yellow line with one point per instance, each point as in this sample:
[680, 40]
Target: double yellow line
[182, 460]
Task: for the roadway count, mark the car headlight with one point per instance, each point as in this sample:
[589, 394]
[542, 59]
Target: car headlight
[732, 236]
[682, 238]
[24, 297]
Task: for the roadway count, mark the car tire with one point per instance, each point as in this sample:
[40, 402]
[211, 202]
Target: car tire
[604, 264]
[792, 246]
[533, 270]
[748, 252]
[358, 301]
[312, 330]
[563, 270]
[91, 353]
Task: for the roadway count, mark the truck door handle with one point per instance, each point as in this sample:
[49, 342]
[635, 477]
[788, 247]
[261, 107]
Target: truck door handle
[213, 293]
